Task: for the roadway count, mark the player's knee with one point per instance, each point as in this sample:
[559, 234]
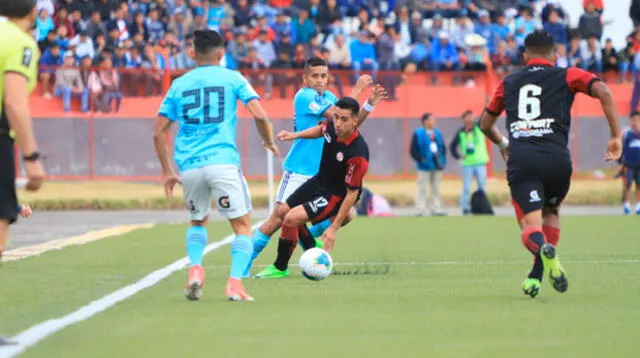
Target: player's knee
[291, 221]
[241, 225]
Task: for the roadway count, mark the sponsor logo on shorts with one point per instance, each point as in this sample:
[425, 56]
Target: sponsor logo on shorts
[318, 203]
[191, 206]
[224, 202]
[534, 197]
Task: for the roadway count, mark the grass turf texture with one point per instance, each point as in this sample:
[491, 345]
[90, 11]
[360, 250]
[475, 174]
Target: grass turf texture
[461, 299]
[120, 196]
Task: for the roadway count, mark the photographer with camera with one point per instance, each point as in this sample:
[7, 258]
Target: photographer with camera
[470, 147]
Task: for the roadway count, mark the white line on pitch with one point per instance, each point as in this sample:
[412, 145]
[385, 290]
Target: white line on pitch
[35, 334]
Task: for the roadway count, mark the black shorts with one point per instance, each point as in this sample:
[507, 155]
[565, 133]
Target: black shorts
[538, 181]
[8, 199]
[319, 203]
[632, 175]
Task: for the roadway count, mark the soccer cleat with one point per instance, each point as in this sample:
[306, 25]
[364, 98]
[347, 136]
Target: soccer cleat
[272, 272]
[531, 287]
[235, 291]
[553, 269]
[627, 210]
[195, 282]
[319, 243]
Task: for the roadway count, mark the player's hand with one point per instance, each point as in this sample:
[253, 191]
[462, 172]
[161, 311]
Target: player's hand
[364, 81]
[170, 181]
[329, 238]
[505, 154]
[273, 148]
[26, 211]
[614, 149]
[378, 94]
[35, 174]
[285, 136]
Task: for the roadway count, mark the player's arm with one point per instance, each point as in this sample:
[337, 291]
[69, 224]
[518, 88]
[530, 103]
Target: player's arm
[265, 128]
[362, 84]
[490, 116]
[588, 83]
[16, 106]
[163, 126]
[377, 95]
[310, 133]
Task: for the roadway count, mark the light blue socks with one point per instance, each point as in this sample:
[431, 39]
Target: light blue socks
[241, 251]
[319, 228]
[196, 241]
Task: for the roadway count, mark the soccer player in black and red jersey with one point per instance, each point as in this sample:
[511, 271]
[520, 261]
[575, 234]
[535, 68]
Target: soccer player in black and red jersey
[538, 100]
[337, 186]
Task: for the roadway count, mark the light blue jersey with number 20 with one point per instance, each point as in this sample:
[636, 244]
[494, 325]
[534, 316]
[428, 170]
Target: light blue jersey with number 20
[203, 101]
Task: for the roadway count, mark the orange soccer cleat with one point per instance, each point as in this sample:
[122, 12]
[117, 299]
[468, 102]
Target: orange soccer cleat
[195, 282]
[235, 291]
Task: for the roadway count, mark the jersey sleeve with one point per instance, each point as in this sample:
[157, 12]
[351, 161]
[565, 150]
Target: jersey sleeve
[22, 60]
[356, 170]
[310, 103]
[243, 90]
[169, 106]
[328, 128]
[580, 80]
[496, 106]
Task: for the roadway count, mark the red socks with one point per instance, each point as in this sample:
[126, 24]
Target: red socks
[552, 234]
[533, 238]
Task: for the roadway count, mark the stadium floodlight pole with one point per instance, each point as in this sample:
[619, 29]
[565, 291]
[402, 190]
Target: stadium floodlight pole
[270, 181]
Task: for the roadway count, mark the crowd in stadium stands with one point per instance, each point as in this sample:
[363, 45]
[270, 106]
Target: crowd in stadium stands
[88, 39]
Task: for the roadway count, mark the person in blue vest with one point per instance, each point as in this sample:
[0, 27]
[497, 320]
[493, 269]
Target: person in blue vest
[430, 153]
[631, 162]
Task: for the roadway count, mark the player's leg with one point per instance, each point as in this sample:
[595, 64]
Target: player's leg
[233, 200]
[293, 221]
[318, 229]
[197, 195]
[626, 193]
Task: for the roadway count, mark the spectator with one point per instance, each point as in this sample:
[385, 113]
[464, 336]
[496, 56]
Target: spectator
[557, 29]
[403, 26]
[444, 56]
[239, 48]
[590, 23]
[126, 12]
[562, 59]
[430, 154]
[69, 83]
[77, 24]
[50, 59]
[262, 26]
[599, 5]
[501, 60]
[95, 26]
[299, 56]
[477, 55]
[44, 24]
[105, 8]
[591, 55]
[626, 57]
[609, 57]
[282, 27]
[242, 15]
[428, 8]
[339, 54]
[377, 26]
[471, 142]
[110, 82]
[329, 13]
[139, 27]
[461, 29]
[437, 27]
[303, 28]
[448, 8]
[155, 25]
[575, 59]
[181, 24]
[62, 19]
[388, 61]
[154, 64]
[402, 51]
[46, 5]
[85, 6]
[363, 54]
[119, 59]
[63, 38]
[84, 45]
[100, 46]
[45, 43]
[283, 78]
[113, 40]
[501, 27]
[285, 45]
[551, 6]
[485, 28]
[525, 24]
[419, 34]
[90, 81]
[120, 24]
[264, 48]
[215, 14]
[255, 65]
[634, 12]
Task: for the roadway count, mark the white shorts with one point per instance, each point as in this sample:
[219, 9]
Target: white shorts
[289, 183]
[224, 183]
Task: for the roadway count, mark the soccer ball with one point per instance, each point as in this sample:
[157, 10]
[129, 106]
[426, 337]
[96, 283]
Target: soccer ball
[316, 264]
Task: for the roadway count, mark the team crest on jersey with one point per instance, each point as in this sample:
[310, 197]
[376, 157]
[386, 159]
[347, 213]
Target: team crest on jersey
[314, 107]
[340, 156]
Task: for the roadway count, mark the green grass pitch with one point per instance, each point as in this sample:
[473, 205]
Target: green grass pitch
[452, 290]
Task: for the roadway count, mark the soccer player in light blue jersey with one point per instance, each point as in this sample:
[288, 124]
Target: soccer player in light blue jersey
[312, 105]
[203, 102]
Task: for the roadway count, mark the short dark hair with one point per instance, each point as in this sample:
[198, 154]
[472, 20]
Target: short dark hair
[16, 9]
[634, 113]
[468, 112]
[350, 104]
[314, 62]
[539, 42]
[206, 40]
[425, 117]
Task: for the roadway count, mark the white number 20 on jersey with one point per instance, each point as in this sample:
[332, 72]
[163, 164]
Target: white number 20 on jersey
[528, 102]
